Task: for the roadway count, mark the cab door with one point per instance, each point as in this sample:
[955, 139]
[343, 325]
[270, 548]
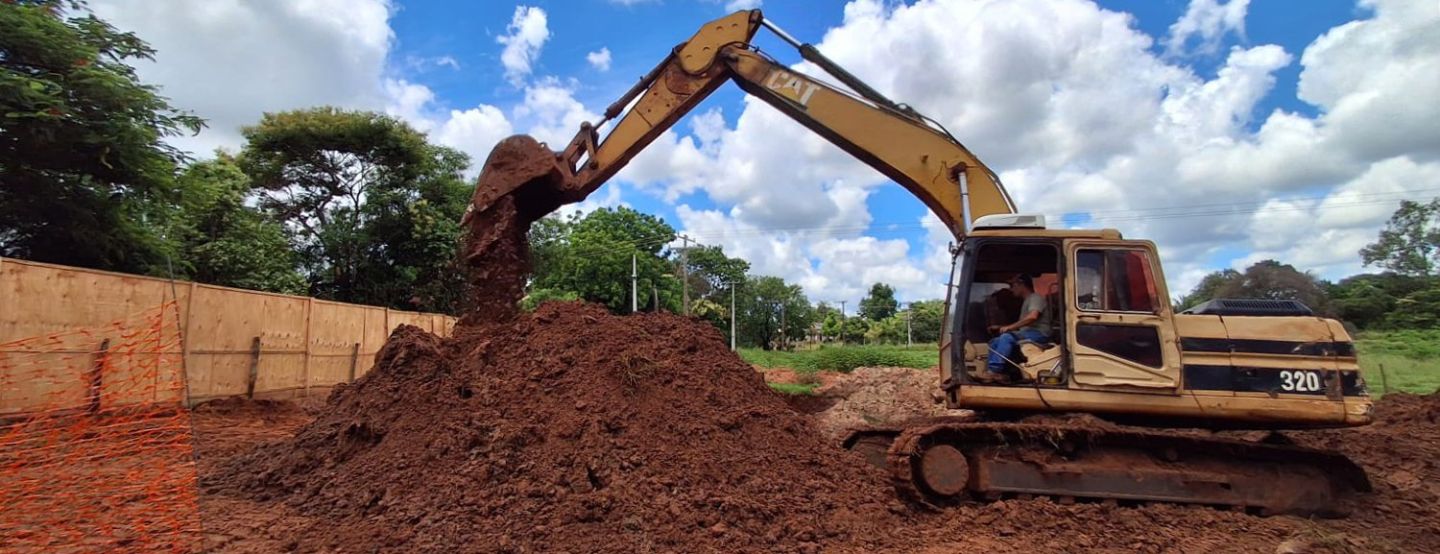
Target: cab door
[1119, 320]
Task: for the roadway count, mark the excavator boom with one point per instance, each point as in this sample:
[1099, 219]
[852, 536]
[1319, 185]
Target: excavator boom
[894, 139]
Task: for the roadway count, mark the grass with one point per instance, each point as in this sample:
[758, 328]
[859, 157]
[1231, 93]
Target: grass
[843, 358]
[794, 388]
[1411, 360]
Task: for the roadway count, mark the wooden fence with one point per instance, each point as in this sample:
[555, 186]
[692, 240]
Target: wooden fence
[231, 341]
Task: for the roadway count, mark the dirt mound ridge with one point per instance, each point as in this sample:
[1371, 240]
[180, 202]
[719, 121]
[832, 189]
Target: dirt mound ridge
[1401, 453]
[569, 429]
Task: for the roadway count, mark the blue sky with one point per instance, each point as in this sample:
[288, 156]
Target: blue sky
[1226, 131]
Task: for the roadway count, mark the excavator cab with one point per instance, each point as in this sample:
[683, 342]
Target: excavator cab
[1118, 347]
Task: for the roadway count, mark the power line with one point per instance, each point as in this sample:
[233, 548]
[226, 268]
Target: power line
[1158, 213]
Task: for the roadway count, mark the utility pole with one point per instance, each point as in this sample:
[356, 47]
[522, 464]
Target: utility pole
[732, 316]
[655, 291]
[784, 337]
[685, 274]
[842, 323]
[634, 292]
[908, 340]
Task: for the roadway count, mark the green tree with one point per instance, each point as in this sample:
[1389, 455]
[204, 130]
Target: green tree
[1209, 288]
[1410, 242]
[890, 330]
[853, 330]
[880, 303]
[590, 256]
[369, 205]
[226, 242]
[1369, 301]
[1417, 310]
[771, 312]
[83, 160]
[1267, 279]
[926, 320]
[830, 326]
[710, 270]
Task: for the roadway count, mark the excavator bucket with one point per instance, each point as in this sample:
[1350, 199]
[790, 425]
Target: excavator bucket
[521, 182]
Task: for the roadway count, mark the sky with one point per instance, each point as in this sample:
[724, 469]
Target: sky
[1227, 132]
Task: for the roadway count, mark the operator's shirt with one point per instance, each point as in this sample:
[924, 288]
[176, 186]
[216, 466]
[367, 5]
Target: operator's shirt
[1037, 303]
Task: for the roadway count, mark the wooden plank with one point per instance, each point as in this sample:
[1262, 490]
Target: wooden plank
[185, 360]
[45, 299]
[254, 369]
[309, 309]
[97, 376]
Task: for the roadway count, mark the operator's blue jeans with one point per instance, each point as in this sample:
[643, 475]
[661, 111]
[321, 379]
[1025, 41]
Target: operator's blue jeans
[1004, 345]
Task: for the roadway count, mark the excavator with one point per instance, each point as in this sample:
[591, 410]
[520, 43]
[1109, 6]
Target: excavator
[1118, 405]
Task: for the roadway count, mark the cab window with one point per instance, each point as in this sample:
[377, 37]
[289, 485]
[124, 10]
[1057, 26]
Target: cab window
[1114, 280]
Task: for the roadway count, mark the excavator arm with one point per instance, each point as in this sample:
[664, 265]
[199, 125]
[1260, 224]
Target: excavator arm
[903, 145]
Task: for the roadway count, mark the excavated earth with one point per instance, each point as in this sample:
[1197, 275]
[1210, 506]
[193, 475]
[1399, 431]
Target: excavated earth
[305, 493]
[569, 429]
[573, 430]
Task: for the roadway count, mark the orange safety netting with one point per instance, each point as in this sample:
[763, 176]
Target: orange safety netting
[96, 449]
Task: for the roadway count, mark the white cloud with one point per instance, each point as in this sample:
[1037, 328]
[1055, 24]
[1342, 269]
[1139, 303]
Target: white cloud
[229, 61]
[599, 59]
[526, 34]
[737, 5]
[447, 61]
[1208, 21]
[473, 131]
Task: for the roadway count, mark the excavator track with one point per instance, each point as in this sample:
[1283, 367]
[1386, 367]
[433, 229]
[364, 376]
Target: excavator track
[934, 464]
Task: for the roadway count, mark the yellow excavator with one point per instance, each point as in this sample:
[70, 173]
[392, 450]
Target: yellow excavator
[1118, 354]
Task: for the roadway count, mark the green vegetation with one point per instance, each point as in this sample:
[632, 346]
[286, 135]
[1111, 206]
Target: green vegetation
[843, 358]
[1410, 358]
[794, 388]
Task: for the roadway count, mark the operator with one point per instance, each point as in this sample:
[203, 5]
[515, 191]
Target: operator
[1034, 325]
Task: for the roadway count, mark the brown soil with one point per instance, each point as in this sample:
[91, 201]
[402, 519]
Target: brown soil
[520, 183]
[879, 396]
[566, 430]
[1399, 452]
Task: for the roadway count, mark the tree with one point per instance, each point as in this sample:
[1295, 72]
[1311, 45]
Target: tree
[710, 270]
[890, 330]
[1417, 310]
[1410, 242]
[1267, 279]
[771, 311]
[1209, 288]
[226, 242]
[830, 326]
[590, 256]
[880, 303]
[926, 320]
[83, 159]
[369, 205]
[1370, 301]
[853, 329]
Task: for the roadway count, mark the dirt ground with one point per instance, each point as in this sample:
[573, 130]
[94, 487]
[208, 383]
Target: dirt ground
[865, 396]
[1401, 452]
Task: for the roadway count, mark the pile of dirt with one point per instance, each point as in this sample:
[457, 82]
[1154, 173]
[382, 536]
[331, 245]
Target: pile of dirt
[569, 429]
[1401, 454]
[879, 396]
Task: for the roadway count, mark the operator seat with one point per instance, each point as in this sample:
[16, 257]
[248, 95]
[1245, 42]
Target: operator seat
[1041, 360]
